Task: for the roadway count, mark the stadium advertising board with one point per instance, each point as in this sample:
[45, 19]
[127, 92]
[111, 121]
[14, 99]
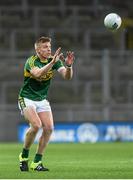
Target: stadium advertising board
[86, 132]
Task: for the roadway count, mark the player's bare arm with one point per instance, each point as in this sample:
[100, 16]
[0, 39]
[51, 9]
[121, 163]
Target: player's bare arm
[67, 72]
[38, 72]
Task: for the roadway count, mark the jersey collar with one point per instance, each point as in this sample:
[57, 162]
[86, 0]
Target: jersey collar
[46, 60]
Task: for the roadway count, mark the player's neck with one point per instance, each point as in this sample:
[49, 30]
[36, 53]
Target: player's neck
[41, 57]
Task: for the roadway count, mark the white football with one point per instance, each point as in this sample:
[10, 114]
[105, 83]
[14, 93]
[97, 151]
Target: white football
[112, 21]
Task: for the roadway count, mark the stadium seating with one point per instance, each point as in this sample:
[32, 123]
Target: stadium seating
[74, 25]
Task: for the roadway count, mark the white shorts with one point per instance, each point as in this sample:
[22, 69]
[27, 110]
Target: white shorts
[40, 106]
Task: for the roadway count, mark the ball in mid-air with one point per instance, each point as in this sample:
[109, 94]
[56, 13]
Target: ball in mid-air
[112, 21]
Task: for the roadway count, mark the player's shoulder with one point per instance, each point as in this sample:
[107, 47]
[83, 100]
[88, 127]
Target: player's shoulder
[31, 61]
[32, 58]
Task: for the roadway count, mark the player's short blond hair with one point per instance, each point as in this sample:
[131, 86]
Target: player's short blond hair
[42, 40]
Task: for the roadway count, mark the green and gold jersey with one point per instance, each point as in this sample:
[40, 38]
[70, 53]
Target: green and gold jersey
[37, 89]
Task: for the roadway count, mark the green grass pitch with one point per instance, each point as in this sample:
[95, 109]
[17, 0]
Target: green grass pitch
[72, 161]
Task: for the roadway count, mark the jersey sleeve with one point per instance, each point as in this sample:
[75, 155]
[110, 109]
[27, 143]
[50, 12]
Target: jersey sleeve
[58, 64]
[30, 63]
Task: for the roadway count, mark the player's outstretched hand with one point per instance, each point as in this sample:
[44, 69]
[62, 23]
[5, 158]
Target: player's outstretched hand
[70, 58]
[56, 56]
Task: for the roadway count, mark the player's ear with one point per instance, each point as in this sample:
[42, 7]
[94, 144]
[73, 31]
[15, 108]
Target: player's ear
[38, 50]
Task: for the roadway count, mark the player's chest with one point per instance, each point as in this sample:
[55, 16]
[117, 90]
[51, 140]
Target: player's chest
[47, 75]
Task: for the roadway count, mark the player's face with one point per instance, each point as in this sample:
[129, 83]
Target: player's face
[44, 49]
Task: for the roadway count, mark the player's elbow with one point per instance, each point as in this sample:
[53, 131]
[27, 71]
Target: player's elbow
[37, 74]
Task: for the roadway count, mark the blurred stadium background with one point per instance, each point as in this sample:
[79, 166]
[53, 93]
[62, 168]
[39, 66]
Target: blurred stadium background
[102, 88]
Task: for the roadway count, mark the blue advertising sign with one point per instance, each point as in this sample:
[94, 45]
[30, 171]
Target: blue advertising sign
[86, 132]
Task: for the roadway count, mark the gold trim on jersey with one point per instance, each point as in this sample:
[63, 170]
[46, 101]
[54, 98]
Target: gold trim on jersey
[44, 60]
[27, 74]
[32, 60]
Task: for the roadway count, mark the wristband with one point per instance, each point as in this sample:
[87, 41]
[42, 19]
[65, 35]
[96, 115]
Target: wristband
[68, 65]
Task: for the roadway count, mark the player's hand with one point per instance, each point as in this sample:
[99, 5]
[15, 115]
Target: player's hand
[56, 56]
[70, 58]
[61, 57]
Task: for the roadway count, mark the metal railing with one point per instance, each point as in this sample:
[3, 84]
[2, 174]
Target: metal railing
[102, 83]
